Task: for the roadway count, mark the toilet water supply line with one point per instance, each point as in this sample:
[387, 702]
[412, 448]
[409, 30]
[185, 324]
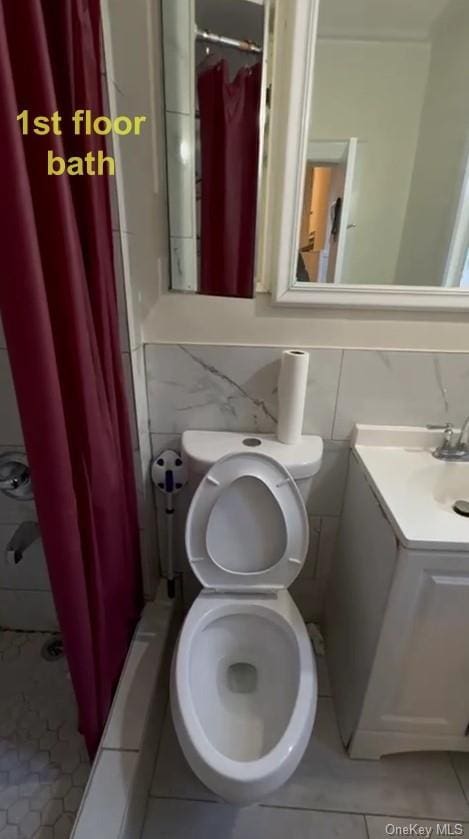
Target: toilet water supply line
[169, 477]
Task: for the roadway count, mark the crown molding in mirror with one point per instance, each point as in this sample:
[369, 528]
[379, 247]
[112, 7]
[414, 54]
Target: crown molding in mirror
[294, 50]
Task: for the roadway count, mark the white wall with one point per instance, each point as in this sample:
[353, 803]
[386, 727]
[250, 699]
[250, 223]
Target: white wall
[161, 316]
[441, 153]
[373, 91]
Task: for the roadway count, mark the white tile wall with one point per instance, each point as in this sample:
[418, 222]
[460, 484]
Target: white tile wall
[30, 573]
[235, 388]
[329, 483]
[178, 59]
[130, 398]
[11, 510]
[10, 424]
[137, 360]
[25, 599]
[232, 388]
[183, 264]
[125, 243]
[181, 178]
[401, 388]
[120, 290]
[147, 518]
[27, 610]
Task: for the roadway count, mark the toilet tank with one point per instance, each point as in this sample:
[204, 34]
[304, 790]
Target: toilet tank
[201, 449]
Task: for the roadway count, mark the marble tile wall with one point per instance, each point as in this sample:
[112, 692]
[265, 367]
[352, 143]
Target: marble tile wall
[235, 388]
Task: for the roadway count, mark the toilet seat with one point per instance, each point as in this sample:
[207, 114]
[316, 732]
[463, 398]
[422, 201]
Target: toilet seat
[247, 526]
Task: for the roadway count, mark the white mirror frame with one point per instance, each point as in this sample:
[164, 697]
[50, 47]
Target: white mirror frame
[292, 86]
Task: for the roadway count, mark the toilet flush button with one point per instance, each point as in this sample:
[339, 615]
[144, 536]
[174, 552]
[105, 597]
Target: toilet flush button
[252, 442]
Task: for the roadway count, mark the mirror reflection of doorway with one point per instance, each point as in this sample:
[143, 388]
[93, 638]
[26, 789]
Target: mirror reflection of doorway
[326, 211]
[320, 220]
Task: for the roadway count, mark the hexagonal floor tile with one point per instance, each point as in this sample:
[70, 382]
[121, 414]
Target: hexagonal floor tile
[29, 824]
[39, 761]
[9, 832]
[72, 799]
[80, 776]
[44, 833]
[63, 827]
[61, 786]
[17, 811]
[8, 796]
[41, 798]
[40, 746]
[48, 741]
[52, 812]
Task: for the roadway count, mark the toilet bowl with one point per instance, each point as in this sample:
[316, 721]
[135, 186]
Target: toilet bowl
[243, 677]
[244, 693]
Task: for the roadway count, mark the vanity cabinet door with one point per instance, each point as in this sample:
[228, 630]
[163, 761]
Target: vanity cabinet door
[420, 680]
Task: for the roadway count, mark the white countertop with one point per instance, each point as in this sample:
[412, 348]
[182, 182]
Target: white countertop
[416, 490]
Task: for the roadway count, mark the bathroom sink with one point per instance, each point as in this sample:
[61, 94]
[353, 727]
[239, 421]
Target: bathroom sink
[416, 490]
[447, 482]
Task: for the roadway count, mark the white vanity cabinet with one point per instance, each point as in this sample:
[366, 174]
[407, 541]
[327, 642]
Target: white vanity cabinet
[397, 634]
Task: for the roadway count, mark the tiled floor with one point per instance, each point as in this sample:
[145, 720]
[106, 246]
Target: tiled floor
[43, 763]
[328, 797]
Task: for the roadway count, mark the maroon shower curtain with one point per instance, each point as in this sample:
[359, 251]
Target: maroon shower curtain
[58, 306]
[229, 138]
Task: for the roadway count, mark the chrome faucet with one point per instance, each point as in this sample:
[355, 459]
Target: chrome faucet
[450, 449]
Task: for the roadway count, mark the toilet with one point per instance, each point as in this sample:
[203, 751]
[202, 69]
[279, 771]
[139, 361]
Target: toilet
[243, 676]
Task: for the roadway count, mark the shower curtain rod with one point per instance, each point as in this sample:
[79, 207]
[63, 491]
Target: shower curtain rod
[245, 46]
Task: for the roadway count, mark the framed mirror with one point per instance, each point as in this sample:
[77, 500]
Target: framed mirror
[215, 78]
[370, 143]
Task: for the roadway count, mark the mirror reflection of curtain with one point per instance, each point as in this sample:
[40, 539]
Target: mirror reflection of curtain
[229, 137]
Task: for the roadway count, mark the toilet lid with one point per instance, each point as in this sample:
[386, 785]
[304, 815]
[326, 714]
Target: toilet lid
[247, 527]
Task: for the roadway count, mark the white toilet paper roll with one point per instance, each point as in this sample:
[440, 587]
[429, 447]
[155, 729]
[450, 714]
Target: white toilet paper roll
[291, 395]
